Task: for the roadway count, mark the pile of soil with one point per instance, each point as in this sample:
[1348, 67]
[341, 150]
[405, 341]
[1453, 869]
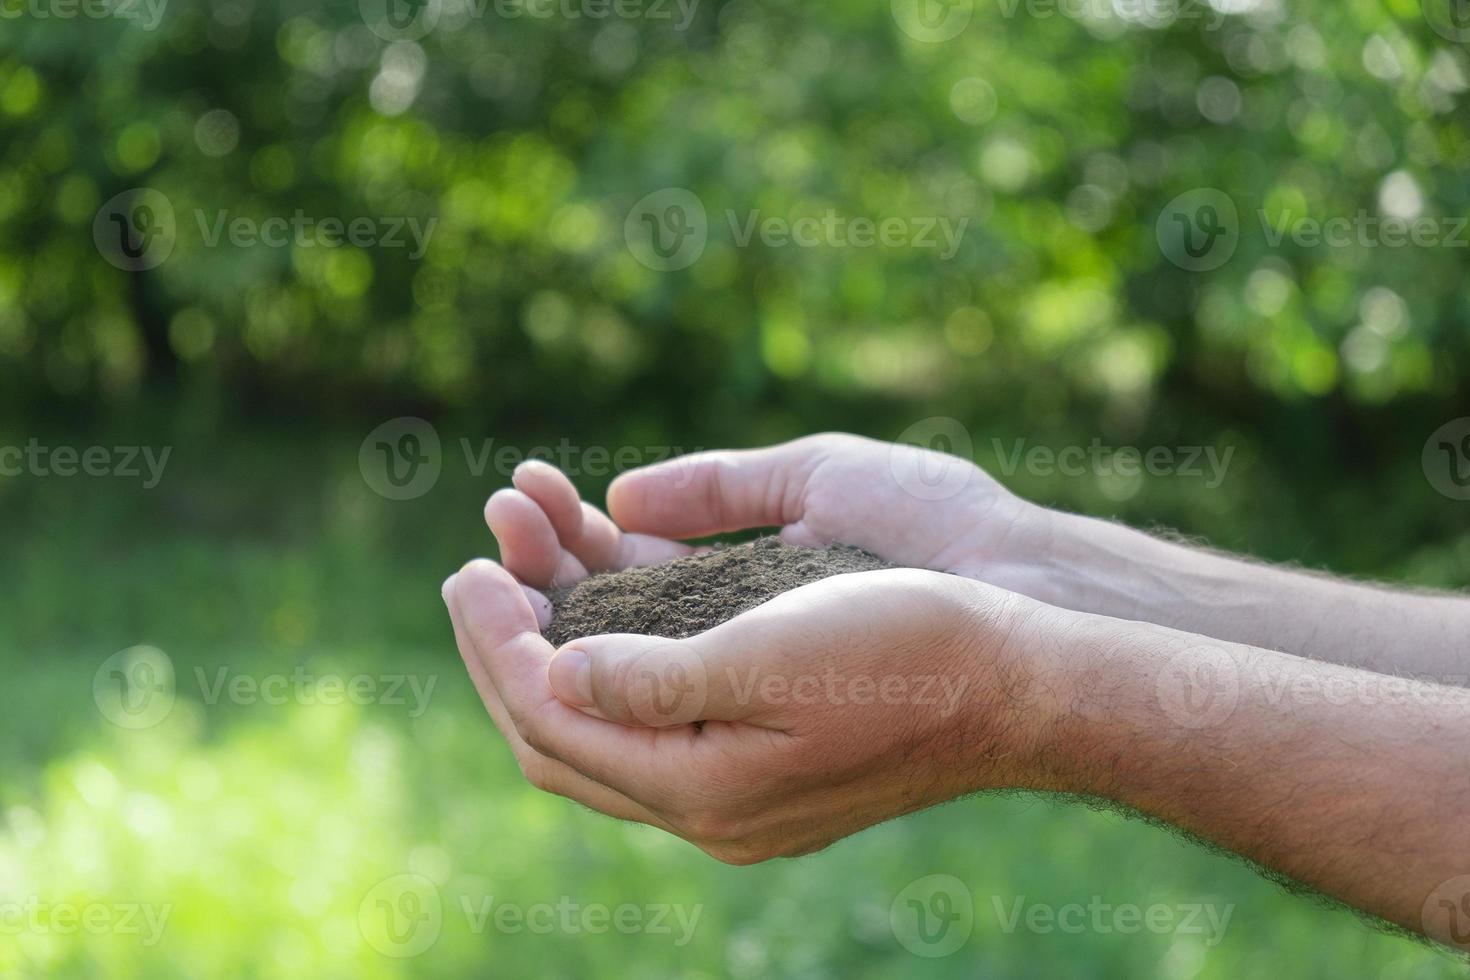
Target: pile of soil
[685, 596]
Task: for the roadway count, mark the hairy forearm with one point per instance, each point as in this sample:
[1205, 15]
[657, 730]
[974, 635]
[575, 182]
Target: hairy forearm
[1349, 782]
[1100, 567]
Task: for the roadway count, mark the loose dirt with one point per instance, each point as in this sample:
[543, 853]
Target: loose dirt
[685, 596]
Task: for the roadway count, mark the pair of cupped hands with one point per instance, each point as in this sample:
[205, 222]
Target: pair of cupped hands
[823, 711]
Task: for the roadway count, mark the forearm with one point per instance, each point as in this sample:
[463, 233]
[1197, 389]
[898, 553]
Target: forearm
[1349, 782]
[1105, 568]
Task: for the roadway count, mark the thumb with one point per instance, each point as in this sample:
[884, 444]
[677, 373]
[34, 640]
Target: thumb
[647, 680]
[712, 492]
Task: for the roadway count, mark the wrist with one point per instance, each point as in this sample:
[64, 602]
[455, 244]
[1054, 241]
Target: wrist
[1037, 552]
[1020, 686]
[1094, 566]
[1084, 686]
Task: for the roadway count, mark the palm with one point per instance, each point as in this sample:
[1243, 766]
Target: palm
[912, 506]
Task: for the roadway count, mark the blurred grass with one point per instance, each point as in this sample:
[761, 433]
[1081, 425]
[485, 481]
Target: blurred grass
[264, 828]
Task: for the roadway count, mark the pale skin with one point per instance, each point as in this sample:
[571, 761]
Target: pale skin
[1019, 648]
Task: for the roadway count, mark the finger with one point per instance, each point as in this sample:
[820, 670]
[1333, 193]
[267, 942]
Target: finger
[529, 547]
[636, 550]
[656, 682]
[556, 496]
[712, 492]
[544, 773]
[798, 535]
[540, 605]
[602, 546]
[501, 628]
[584, 530]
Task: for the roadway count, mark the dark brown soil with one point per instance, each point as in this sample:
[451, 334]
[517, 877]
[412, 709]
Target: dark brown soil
[680, 598]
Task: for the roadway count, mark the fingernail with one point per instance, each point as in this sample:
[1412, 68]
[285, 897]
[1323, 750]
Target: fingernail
[571, 677]
[447, 587]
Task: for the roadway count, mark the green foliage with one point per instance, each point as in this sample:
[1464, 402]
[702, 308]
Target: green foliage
[1060, 137]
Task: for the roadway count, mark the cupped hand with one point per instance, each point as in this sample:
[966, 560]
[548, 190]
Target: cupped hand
[826, 710]
[914, 507]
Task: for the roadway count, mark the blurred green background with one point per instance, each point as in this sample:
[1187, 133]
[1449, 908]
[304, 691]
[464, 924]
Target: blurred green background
[1062, 133]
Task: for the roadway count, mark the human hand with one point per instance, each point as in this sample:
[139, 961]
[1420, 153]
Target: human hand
[914, 507]
[828, 709]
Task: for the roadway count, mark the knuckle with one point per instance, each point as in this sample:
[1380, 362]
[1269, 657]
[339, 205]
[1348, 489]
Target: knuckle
[714, 825]
[740, 854]
[481, 573]
[536, 733]
[537, 772]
